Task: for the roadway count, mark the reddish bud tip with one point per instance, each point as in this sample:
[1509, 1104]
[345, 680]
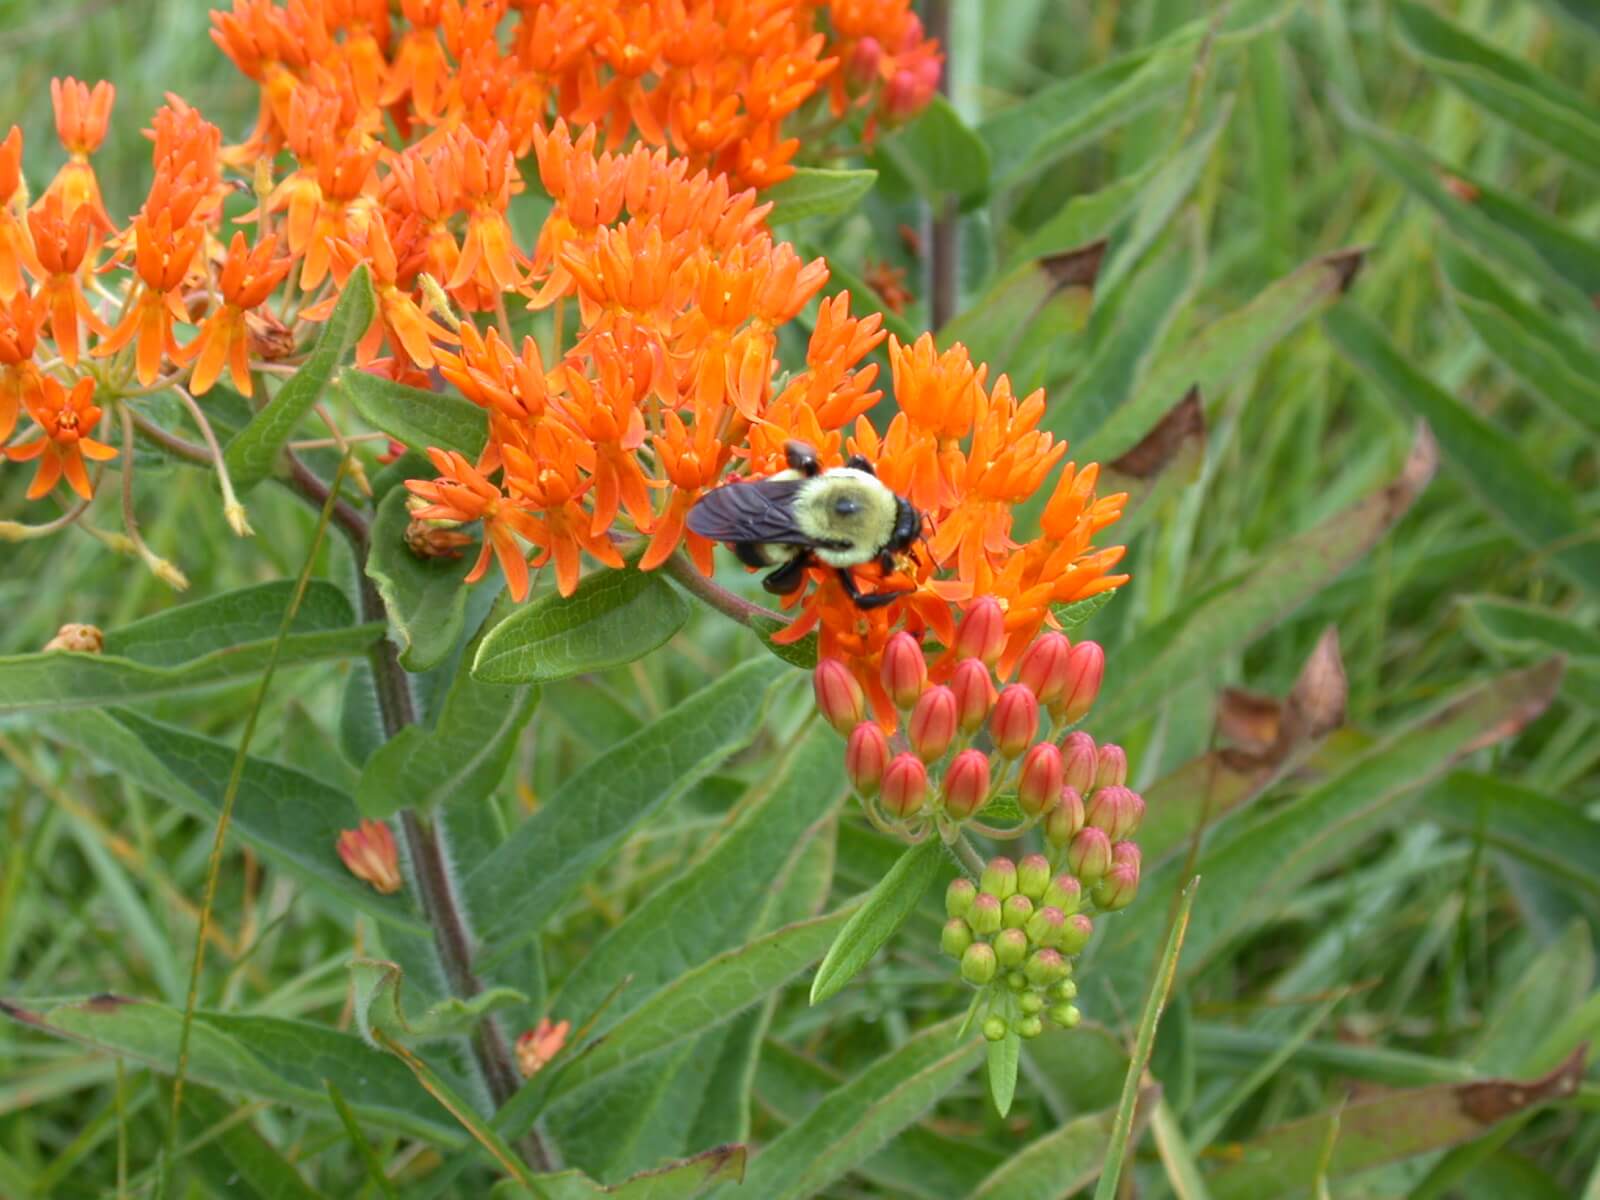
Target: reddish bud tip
[1033, 876]
[955, 937]
[933, 723]
[904, 786]
[1086, 668]
[1082, 760]
[905, 671]
[1117, 810]
[866, 757]
[979, 964]
[1065, 819]
[1118, 888]
[1043, 666]
[999, 878]
[1045, 967]
[984, 915]
[982, 632]
[369, 853]
[1045, 926]
[1075, 934]
[1015, 911]
[1015, 720]
[1039, 785]
[966, 784]
[1064, 892]
[1089, 856]
[974, 693]
[1112, 766]
[840, 699]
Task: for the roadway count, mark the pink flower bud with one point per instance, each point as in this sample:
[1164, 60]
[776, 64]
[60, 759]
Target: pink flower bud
[1015, 910]
[840, 699]
[1045, 926]
[1045, 967]
[974, 693]
[1112, 766]
[904, 786]
[905, 671]
[1126, 854]
[933, 723]
[908, 92]
[1086, 667]
[1065, 819]
[369, 853]
[537, 1046]
[1033, 876]
[1118, 888]
[1089, 856]
[1039, 785]
[984, 915]
[862, 65]
[1117, 810]
[1043, 666]
[866, 757]
[999, 878]
[966, 784]
[958, 897]
[1064, 892]
[1075, 934]
[982, 632]
[1081, 759]
[1015, 720]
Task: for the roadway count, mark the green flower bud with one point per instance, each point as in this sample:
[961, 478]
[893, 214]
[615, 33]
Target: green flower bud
[958, 896]
[1017, 981]
[1065, 893]
[1030, 1027]
[1045, 926]
[955, 938]
[1076, 933]
[1067, 989]
[1031, 1003]
[978, 964]
[1000, 876]
[1011, 947]
[994, 1028]
[1033, 876]
[1016, 910]
[984, 915]
[1046, 967]
[1066, 1015]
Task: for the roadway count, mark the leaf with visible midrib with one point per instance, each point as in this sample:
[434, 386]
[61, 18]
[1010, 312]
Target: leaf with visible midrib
[190, 646]
[885, 909]
[613, 618]
[418, 418]
[251, 454]
[817, 192]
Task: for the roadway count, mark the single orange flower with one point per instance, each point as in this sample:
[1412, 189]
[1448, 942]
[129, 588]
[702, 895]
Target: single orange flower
[248, 277]
[20, 318]
[66, 420]
[462, 493]
[162, 263]
[81, 119]
[16, 243]
[61, 242]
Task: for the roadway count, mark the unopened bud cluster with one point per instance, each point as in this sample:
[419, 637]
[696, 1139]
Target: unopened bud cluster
[969, 738]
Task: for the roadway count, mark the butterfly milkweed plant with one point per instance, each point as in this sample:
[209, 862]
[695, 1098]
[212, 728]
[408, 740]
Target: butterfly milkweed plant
[668, 598]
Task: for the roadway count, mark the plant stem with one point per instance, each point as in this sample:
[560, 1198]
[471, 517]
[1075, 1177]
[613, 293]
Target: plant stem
[725, 602]
[440, 904]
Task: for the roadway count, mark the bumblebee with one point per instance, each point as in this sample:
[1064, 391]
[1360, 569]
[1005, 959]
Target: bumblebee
[841, 518]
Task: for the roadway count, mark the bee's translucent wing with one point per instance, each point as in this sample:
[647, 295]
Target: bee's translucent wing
[749, 512]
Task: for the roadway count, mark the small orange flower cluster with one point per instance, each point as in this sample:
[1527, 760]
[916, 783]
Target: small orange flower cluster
[711, 80]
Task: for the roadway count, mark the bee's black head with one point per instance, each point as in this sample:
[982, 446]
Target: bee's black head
[907, 525]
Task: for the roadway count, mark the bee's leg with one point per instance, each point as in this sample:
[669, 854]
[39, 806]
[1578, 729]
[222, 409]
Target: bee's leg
[749, 553]
[788, 578]
[802, 458]
[859, 462]
[866, 602]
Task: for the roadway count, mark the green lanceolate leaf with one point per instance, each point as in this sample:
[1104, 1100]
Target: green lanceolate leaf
[1222, 350]
[802, 654]
[252, 453]
[1537, 507]
[884, 910]
[1288, 1160]
[1552, 835]
[1527, 98]
[291, 818]
[1003, 1058]
[682, 1180]
[283, 1061]
[941, 155]
[1527, 628]
[513, 891]
[817, 192]
[426, 597]
[1061, 1163]
[209, 642]
[614, 617]
[235, 1155]
[418, 418]
[852, 1122]
[1237, 610]
[459, 760]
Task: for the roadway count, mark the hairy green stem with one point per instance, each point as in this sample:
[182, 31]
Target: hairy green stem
[725, 602]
